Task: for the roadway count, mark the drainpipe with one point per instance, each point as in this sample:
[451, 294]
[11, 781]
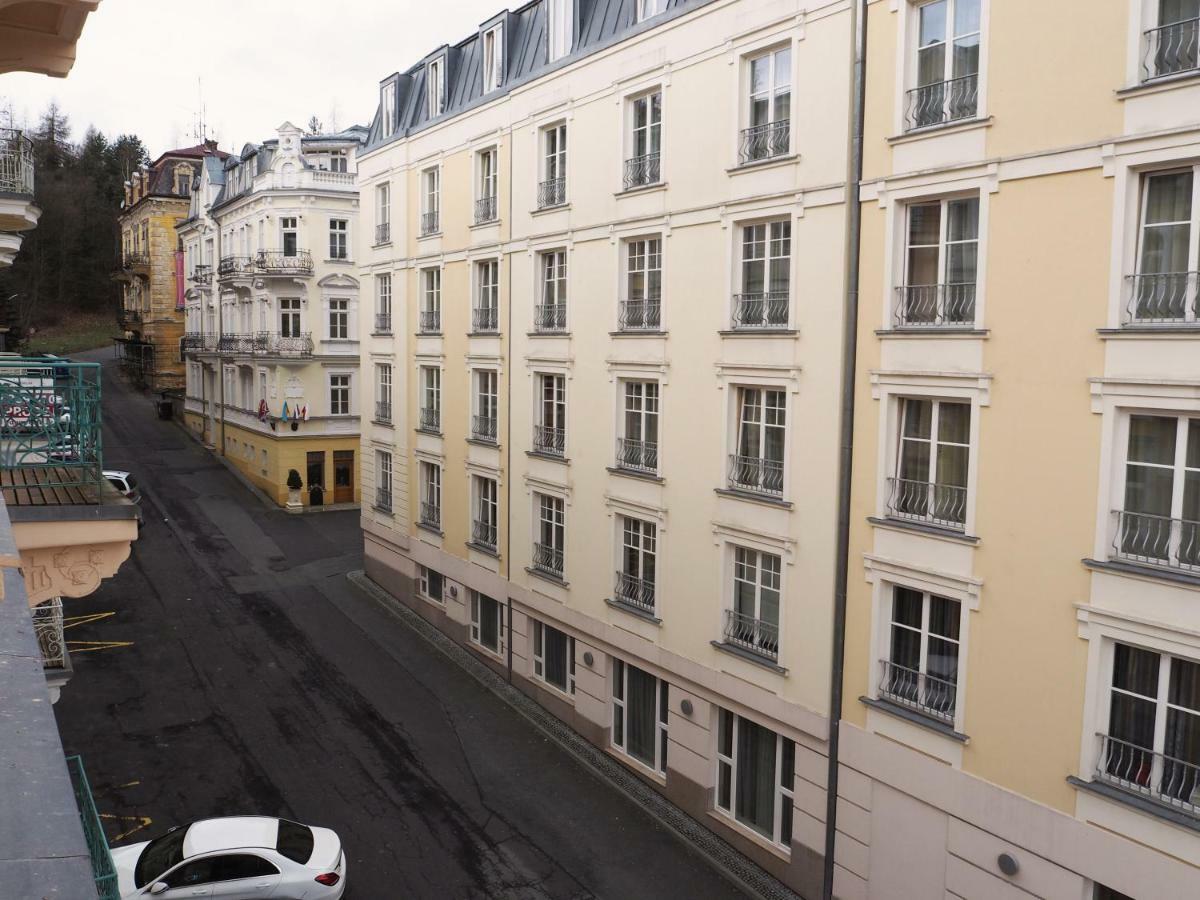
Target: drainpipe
[507, 257]
[853, 249]
[220, 331]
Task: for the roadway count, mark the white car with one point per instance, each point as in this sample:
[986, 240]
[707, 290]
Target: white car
[240, 857]
[127, 485]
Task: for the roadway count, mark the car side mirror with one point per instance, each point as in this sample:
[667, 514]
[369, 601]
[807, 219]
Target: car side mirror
[159, 887]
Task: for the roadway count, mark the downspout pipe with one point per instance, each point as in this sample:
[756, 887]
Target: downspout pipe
[220, 332]
[853, 248]
[507, 357]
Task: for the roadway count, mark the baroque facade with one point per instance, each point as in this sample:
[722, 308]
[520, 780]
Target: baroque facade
[271, 342]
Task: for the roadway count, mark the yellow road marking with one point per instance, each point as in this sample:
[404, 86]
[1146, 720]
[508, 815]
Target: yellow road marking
[88, 646]
[142, 822]
[72, 621]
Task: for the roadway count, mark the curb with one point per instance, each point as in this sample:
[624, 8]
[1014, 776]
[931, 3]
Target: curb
[736, 868]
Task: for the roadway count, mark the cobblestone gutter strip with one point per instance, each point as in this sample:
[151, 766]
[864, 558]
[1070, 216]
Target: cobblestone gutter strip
[717, 853]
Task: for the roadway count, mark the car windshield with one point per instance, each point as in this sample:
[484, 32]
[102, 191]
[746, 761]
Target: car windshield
[160, 855]
[131, 481]
[295, 841]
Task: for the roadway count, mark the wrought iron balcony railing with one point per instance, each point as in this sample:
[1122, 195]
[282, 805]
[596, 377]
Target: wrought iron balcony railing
[198, 342]
[756, 475]
[237, 343]
[766, 141]
[131, 316]
[637, 456]
[1171, 49]
[103, 870]
[431, 420]
[944, 505]
[1162, 298]
[641, 171]
[383, 232]
[383, 411]
[548, 559]
[935, 305]
[926, 694]
[483, 428]
[281, 262]
[639, 315]
[485, 209]
[429, 223]
[634, 591]
[483, 534]
[550, 318]
[202, 274]
[942, 103]
[430, 321]
[485, 319]
[757, 636]
[231, 266]
[761, 311]
[431, 514]
[552, 192]
[1157, 541]
[48, 628]
[383, 499]
[16, 162]
[383, 323]
[552, 441]
[284, 344]
[136, 259]
[1164, 779]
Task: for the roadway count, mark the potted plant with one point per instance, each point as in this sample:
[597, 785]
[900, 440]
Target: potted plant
[294, 484]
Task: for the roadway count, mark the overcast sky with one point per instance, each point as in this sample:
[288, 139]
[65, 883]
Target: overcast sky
[143, 65]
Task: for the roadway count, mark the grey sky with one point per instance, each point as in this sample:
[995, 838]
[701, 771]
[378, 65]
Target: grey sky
[261, 62]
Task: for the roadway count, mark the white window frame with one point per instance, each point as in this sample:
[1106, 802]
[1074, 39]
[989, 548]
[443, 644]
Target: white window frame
[383, 475]
[783, 796]
[620, 707]
[648, 9]
[431, 294]
[339, 319]
[493, 58]
[431, 486]
[904, 276]
[554, 152]
[431, 388]
[775, 84]
[383, 383]
[485, 503]
[934, 441]
[383, 295]
[638, 391]
[539, 657]
[424, 583]
[435, 87]
[484, 402]
[383, 203]
[556, 403]
[487, 172]
[341, 382]
[289, 225]
[906, 60]
[560, 25]
[476, 609]
[387, 103]
[289, 312]
[431, 196]
[488, 288]
[550, 518]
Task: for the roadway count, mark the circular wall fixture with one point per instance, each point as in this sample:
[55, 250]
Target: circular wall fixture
[588, 659]
[1008, 864]
[685, 706]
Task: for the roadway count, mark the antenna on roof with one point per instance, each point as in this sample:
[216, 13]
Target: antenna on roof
[200, 130]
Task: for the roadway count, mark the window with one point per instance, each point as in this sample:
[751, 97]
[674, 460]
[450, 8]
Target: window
[487, 622]
[768, 107]
[649, 8]
[435, 86]
[337, 161]
[1173, 46]
[339, 395]
[430, 584]
[921, 670]
[289, 317]
[383, 213]
[485, 204]
[757, 466]
[493, 58]
[639, 724]
[383, 480]
[387, 103]
[431, 399]
[766, 274]
[549, 547]
[431, 495]
[1159, 524]
[752, 622]
[483, 425]
[642, 308]
[486, 315]
[1164, 289]
[383, 303]
[287, 230]
[644, 163]
[383, 392]
[637, 447]
[755, 775]
[635, 579]
[551, 314]
[559, 28]
[1152, 744]
[1100, 892]
[947, 64]
[430, 198]
[550, 428]
[554, 657]
[431, 301]
[932, 463]
[483, 526]
[339, 320]
[941, 264]
[553, 189]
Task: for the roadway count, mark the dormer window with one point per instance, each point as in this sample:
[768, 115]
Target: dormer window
[387, 102]
[559, 28]
[435, 84]
[493, 58]
[337, 161]
[647, 9]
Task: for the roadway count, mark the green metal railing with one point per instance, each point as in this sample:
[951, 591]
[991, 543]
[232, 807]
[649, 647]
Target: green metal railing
[50, 421]
[103, 869]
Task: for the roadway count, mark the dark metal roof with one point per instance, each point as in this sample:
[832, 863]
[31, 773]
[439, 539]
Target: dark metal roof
[598, 24]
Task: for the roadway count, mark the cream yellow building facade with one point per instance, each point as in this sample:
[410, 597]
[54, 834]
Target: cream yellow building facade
[272, 310]
[1022, 674]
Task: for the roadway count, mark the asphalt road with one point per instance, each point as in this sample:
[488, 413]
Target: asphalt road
[229, 668]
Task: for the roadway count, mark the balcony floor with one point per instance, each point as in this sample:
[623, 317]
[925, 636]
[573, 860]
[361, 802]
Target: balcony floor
[43, 486]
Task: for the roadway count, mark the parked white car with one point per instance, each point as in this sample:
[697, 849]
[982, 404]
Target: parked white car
[239, 858]
[125, 483]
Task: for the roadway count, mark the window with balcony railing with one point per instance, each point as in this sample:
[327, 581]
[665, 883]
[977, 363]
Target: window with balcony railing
[766, 259]
[431, 496]
[634, 584]
[930, 485]
[383, 392]
[643, 165]
[752, 620]
[549, 548]
[550, 314]
[431, 400]
[768, 107]
[921, 670]
[757, 466]
[430, 201]
[1163, 290]
[485, 317]
[637, 446]
[946, 65]
[16, 162]
[484, 420]
[552, 189]
[941, 263]
[550, 428]
[483, 526]
[430, 315]
[383, 480]
[1172, 47]
[642, 308]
